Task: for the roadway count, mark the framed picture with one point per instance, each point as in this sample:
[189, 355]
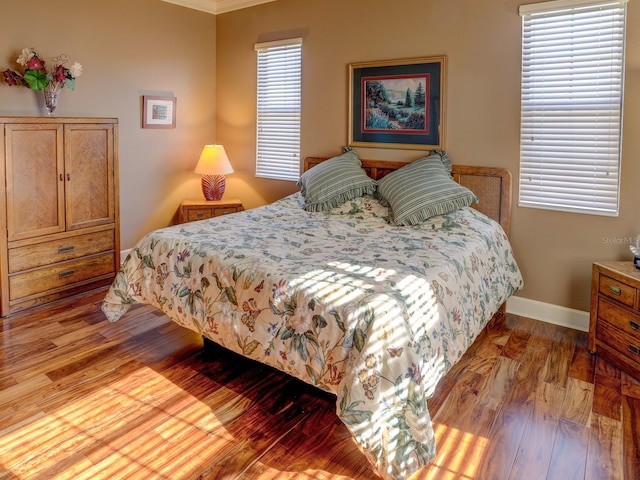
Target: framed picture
[397, 103]
[158, 112]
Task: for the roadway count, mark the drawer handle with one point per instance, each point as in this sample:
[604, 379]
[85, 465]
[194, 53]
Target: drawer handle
[615, 290]
[199, 215]
[633, 349]
[67, 274]
[67, 248]
[634, 325]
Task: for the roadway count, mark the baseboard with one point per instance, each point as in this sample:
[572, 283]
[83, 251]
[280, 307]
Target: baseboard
[547, 312]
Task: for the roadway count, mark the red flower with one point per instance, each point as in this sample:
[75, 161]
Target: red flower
[36, 64]
[59, 75]
[10, 77]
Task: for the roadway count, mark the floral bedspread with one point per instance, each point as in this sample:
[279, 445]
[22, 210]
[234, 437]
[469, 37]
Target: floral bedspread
[342, 300]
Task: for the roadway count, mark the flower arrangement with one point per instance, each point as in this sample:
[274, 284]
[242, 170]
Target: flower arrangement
[37, 77]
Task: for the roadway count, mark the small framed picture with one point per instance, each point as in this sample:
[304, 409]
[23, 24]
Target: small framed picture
[158, 112]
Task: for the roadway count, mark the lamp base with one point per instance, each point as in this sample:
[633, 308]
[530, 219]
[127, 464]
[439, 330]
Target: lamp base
[213, 186]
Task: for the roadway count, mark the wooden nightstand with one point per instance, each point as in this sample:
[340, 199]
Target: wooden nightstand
[192, 210]
[614, 322]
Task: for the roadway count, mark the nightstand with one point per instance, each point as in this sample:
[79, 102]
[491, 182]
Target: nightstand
[192, 210]
[614, 322]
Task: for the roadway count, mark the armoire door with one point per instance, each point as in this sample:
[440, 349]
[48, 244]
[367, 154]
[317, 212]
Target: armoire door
[89, 175]
[34, 163]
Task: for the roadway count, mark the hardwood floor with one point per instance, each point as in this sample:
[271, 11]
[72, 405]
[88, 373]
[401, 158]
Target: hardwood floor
[81, 398]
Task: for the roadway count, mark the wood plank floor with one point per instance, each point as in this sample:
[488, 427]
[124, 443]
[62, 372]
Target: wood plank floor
[81, 398]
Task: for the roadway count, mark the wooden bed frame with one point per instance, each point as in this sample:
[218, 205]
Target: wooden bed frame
[492, 185]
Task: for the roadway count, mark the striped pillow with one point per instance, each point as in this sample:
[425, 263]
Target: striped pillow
[422, 189]
[334, 182]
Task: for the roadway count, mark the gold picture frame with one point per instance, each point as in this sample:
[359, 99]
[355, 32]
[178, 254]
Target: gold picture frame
[398, 103]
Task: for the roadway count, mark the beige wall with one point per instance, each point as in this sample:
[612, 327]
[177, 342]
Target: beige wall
[131, 48]
[482, 42]
[128, 49]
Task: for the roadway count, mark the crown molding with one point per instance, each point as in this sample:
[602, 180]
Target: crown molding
[216, 7]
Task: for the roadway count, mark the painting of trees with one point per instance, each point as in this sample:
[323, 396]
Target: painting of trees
[395, 103]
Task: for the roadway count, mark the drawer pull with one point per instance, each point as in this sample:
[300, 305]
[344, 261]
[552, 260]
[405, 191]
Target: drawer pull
[633, 349]
[66, 249]
[199, 215]
[634, 325]
[615, 290]
[67, 274]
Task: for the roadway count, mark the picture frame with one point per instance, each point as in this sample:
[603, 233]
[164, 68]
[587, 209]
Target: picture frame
[398, 103]
[158, 111]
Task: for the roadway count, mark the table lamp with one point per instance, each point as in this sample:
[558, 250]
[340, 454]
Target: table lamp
[213, 165]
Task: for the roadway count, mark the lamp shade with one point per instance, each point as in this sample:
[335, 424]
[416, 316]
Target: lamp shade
[213, 161]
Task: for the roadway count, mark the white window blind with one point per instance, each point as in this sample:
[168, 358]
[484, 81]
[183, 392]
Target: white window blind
[571, 105]
[278, 122]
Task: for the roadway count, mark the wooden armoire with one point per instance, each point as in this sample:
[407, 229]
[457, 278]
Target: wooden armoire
[59, 227]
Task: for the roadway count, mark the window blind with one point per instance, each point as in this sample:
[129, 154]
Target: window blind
[571, 105]
[278, 109]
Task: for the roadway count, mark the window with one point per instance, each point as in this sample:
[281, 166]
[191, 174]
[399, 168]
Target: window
[278, 122]
[571, 105]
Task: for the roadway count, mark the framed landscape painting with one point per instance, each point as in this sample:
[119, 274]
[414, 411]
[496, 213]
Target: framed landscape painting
[397, 103]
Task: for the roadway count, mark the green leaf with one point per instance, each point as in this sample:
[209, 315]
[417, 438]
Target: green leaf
[287, 334]
[319, 321]
[230, 295]
[70, 83]
[275, 309]
[358, 339]
[36, 79]
[340, 323]
[218, 282]
[147, 261]
[315, 376]
[351, 417]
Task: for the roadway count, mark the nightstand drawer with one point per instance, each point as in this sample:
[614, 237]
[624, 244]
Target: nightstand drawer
[617, 290]
[194, 210]
[620, 318]
[224, 211]
[194, 214]
[620, 342]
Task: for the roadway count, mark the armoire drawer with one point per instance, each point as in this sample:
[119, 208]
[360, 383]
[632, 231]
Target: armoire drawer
[59, 275]
[47, 253]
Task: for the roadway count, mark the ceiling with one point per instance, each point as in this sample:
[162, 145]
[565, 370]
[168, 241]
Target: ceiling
[217, 6]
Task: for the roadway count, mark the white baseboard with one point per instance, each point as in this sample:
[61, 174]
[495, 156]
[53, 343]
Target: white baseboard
[547, 312]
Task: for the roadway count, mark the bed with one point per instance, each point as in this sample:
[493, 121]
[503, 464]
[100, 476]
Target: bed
[342, 297]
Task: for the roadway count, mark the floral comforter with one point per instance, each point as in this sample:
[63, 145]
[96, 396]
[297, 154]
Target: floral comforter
[342, 300]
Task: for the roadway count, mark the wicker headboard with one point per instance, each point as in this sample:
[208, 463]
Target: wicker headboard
[491, 185]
